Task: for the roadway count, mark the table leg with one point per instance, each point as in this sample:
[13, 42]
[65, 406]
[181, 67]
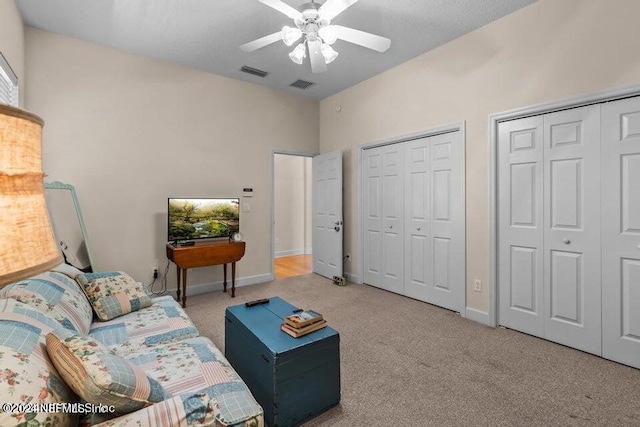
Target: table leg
[233, 279]
[184, 288]
[224, 267]
[178, 269]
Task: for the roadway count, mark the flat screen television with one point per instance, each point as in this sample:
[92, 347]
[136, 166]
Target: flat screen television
[192, 219]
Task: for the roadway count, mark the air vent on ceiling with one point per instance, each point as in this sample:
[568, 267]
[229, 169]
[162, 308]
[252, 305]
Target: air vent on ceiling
[301, 84]
[254, 71]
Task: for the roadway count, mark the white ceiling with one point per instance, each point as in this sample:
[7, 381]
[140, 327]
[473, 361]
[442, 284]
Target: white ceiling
[206, 34]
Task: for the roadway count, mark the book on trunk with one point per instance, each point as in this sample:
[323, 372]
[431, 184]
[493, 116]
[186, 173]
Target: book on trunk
[303, 318]
[298, 332]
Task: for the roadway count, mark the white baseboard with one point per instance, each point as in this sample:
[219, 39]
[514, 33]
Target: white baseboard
[308, 251]
[478, 316]
[280, 254]
[218, 286]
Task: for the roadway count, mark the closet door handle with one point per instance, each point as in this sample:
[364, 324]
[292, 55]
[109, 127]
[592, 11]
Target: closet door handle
[418, 228]
[566, 241]
[390, 226]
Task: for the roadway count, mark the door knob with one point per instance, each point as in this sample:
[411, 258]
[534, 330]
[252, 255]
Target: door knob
[566, 241]
[391, 226]
[418, 228]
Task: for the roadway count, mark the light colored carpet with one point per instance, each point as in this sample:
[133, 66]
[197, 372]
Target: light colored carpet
[405, 362]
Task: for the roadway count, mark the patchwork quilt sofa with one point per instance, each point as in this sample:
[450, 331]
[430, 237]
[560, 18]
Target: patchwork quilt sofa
[146, 366]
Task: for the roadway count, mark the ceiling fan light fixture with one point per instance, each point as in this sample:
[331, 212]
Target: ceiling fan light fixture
[298, 54]
[329, 53]
[290, 35]
[328, 34]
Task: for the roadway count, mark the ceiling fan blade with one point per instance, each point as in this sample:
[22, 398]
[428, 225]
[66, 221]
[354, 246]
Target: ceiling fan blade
[282, 7]
[362, 38]
[333, 8]
[318, 63]
[261, 42]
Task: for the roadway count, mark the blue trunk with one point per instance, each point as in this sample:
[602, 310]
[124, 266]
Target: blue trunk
[293, 379]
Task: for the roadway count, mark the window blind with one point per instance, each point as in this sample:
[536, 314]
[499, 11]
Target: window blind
[8, 83]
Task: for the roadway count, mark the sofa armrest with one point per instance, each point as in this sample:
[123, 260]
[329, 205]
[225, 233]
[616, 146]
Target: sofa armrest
[194, 409]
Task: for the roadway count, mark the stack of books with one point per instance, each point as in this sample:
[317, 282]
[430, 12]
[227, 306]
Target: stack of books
[303, 323]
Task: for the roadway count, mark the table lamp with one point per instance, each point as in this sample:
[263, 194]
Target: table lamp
[27, 243]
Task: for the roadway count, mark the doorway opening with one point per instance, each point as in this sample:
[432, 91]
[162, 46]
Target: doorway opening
[292, 231]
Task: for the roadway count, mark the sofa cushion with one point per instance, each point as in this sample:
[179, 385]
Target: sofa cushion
[113, 293]
[99, 376]
[56, 295]
[26, 372]
[195, 365]
[164, 321]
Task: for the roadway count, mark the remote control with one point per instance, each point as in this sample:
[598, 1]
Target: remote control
[256, 302]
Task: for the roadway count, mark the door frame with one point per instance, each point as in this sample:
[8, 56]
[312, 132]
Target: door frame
[492, 317]
[358, 151]
[272, 233]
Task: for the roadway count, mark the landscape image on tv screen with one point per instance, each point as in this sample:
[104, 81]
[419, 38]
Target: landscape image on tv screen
[191, 219]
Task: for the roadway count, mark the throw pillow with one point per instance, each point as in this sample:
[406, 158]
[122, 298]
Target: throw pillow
[99, 376]
[113, 293]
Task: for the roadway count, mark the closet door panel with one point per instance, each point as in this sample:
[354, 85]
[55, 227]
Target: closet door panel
[620, 152]
[520, 225]
[447, 226]
[372, 207]
[418, 259]
[393, 217]
[572, 228]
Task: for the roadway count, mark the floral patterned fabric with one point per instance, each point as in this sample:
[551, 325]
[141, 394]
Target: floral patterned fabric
[100, 377]
[159, 340]
[164, 321]
[26, 373]
[56, 295]
[113, 293]
[210, 391]
[191, 409]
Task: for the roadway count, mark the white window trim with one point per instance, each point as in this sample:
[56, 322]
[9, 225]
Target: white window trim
[8, 84]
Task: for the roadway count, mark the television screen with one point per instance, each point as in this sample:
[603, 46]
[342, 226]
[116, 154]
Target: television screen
[191, 219]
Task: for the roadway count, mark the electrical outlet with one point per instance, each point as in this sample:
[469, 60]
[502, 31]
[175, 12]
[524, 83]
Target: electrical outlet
[155, 272]
[477, 285]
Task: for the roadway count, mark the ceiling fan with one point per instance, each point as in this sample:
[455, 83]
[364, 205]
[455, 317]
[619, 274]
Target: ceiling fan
[313, 24]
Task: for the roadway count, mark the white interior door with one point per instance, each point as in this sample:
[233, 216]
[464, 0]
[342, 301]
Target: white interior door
[393, 217]
[520, 232]
[372, 213]
[447, 222]
[418, 259]
[620, 153]
[327, 221]
[572, 273]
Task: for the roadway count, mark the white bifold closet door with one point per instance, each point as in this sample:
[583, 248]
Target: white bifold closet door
[549, 232]
[384, 217]
[621, 231]
[413, 207]
[569, 228]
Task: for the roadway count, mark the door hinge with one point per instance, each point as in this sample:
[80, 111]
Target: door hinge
[339, 281]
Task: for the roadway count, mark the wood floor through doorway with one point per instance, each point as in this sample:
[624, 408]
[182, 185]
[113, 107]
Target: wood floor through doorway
[294, 265]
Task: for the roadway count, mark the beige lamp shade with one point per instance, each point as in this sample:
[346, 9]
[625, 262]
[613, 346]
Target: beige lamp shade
[27, 244]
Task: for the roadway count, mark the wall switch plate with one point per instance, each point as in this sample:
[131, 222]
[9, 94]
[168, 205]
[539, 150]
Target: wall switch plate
[477, 285]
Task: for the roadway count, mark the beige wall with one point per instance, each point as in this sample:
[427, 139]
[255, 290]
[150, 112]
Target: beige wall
[292, 204]
[12, 41]
[129, 132]
[547, 51]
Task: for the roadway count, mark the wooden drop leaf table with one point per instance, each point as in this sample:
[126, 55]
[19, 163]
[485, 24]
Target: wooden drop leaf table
[205, 254]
